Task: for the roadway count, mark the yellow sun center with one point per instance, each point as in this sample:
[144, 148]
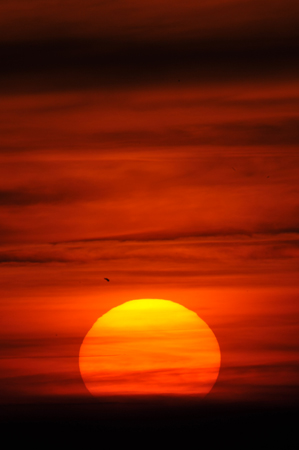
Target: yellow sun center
[149, 347]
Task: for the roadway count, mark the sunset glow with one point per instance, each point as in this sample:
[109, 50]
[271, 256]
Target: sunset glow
[153, 144]
[149, 346]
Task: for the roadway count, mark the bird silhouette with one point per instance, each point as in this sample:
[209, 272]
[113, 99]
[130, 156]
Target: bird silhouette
[107, 279]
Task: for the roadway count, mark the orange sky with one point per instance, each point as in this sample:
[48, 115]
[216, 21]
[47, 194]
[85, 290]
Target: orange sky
[156, 146]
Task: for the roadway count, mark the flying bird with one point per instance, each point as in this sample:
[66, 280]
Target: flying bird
[107, 279]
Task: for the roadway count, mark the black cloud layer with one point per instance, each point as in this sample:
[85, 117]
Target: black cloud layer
[75, 63]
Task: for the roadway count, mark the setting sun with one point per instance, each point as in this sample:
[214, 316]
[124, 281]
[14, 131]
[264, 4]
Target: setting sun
[149, 347]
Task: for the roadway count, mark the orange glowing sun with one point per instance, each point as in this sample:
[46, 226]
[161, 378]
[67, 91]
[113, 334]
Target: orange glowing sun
[149, 347]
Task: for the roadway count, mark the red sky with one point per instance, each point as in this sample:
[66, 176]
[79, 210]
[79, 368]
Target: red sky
[156, 145]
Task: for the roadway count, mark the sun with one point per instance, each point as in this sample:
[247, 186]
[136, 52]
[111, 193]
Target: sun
[149, 347]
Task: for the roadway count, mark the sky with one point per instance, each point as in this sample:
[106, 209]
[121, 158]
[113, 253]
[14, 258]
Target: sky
[155, 144]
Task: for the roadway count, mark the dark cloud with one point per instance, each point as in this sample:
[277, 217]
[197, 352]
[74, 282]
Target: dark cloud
[286, 375]
[32, 259]
[238, 235]
[190, 259]
[35, 195]
[274, 133]
[38, 134]
[67, 191]
[41, 347]
[78, 63]
[35, 386]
